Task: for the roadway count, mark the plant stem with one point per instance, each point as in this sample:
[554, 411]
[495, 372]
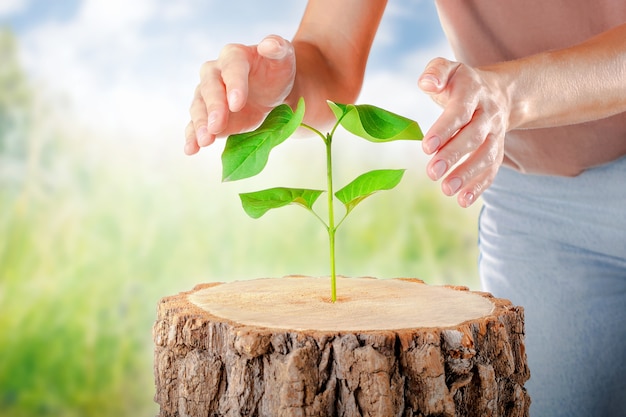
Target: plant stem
[331, 217]
[330, 227]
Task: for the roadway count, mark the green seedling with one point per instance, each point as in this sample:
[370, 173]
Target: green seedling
[246, 154]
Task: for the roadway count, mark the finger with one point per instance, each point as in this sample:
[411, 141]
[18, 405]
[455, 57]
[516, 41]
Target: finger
[234, 63]
[436, 75]
[464, 141]
[458, 102]
[207, 111]
[210, 107]
[191, 141]
[275, 48]
[475, 174]
[276, 71]
[456, 115]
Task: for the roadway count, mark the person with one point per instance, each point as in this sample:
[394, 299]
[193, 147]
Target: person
[533, 121]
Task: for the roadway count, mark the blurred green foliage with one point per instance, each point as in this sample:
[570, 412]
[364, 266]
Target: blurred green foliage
[15, 97]
[90, 243]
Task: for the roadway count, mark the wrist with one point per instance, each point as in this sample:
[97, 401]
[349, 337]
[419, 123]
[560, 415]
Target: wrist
[507, 82]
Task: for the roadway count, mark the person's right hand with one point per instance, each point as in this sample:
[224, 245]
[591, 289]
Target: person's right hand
[237, 90]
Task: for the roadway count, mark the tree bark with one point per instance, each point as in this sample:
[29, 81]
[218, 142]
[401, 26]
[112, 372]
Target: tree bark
[239, 364]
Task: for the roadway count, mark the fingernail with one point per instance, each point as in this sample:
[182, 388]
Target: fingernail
[469, 199]
[430, 79]
[202, 134]
[453, 185]
[276, 50]
[190, 148]
[438, 169]
[234, 100]
[432, 144]
[212, 118]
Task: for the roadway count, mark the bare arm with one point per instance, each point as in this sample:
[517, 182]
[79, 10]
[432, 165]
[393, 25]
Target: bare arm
[556, 88]
[326, 60]
[574, 85]
[332, 51]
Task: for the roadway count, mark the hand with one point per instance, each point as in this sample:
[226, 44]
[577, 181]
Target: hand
[238, 89]
[473, 123]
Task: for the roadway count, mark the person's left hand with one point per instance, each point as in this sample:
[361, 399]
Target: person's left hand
[473, 123]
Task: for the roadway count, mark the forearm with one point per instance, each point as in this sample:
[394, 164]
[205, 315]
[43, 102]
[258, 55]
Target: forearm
[331, 50]
[574, 85]
[317, 81]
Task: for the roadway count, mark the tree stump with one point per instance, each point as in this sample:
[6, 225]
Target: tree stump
[279, 347]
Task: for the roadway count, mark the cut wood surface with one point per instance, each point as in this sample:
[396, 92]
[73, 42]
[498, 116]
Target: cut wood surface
[279, 347]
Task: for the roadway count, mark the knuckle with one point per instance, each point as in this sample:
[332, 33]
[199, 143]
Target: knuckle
[226, 55]
[206, 68]
[435, 63]
[488, 180]
[454, 156]
[489, 176]
[190, 133]
[495, 152]
[485, 182]
[229, 48]
[492, 156]
[196, 103]
[475, 140]
[459, 117]
[231, 52]
[466, 111]
[480, 187]
[470, 172]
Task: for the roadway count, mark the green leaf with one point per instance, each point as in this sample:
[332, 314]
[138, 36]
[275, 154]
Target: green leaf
[258, 203]
[246, 154]
[375, 124]
[367, 184]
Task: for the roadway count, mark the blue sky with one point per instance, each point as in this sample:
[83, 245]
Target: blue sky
[130, 67]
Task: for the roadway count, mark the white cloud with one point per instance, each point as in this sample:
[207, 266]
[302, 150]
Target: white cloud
[11, 7]
[118, 77]
[132, 66]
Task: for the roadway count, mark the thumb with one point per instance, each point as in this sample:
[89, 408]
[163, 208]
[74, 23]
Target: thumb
[436, 75]
[275, 47]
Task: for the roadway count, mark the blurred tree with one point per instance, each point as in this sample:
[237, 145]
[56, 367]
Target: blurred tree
[15, 100]
[31, 134]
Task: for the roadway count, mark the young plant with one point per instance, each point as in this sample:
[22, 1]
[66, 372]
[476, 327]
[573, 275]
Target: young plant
[246, 154]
